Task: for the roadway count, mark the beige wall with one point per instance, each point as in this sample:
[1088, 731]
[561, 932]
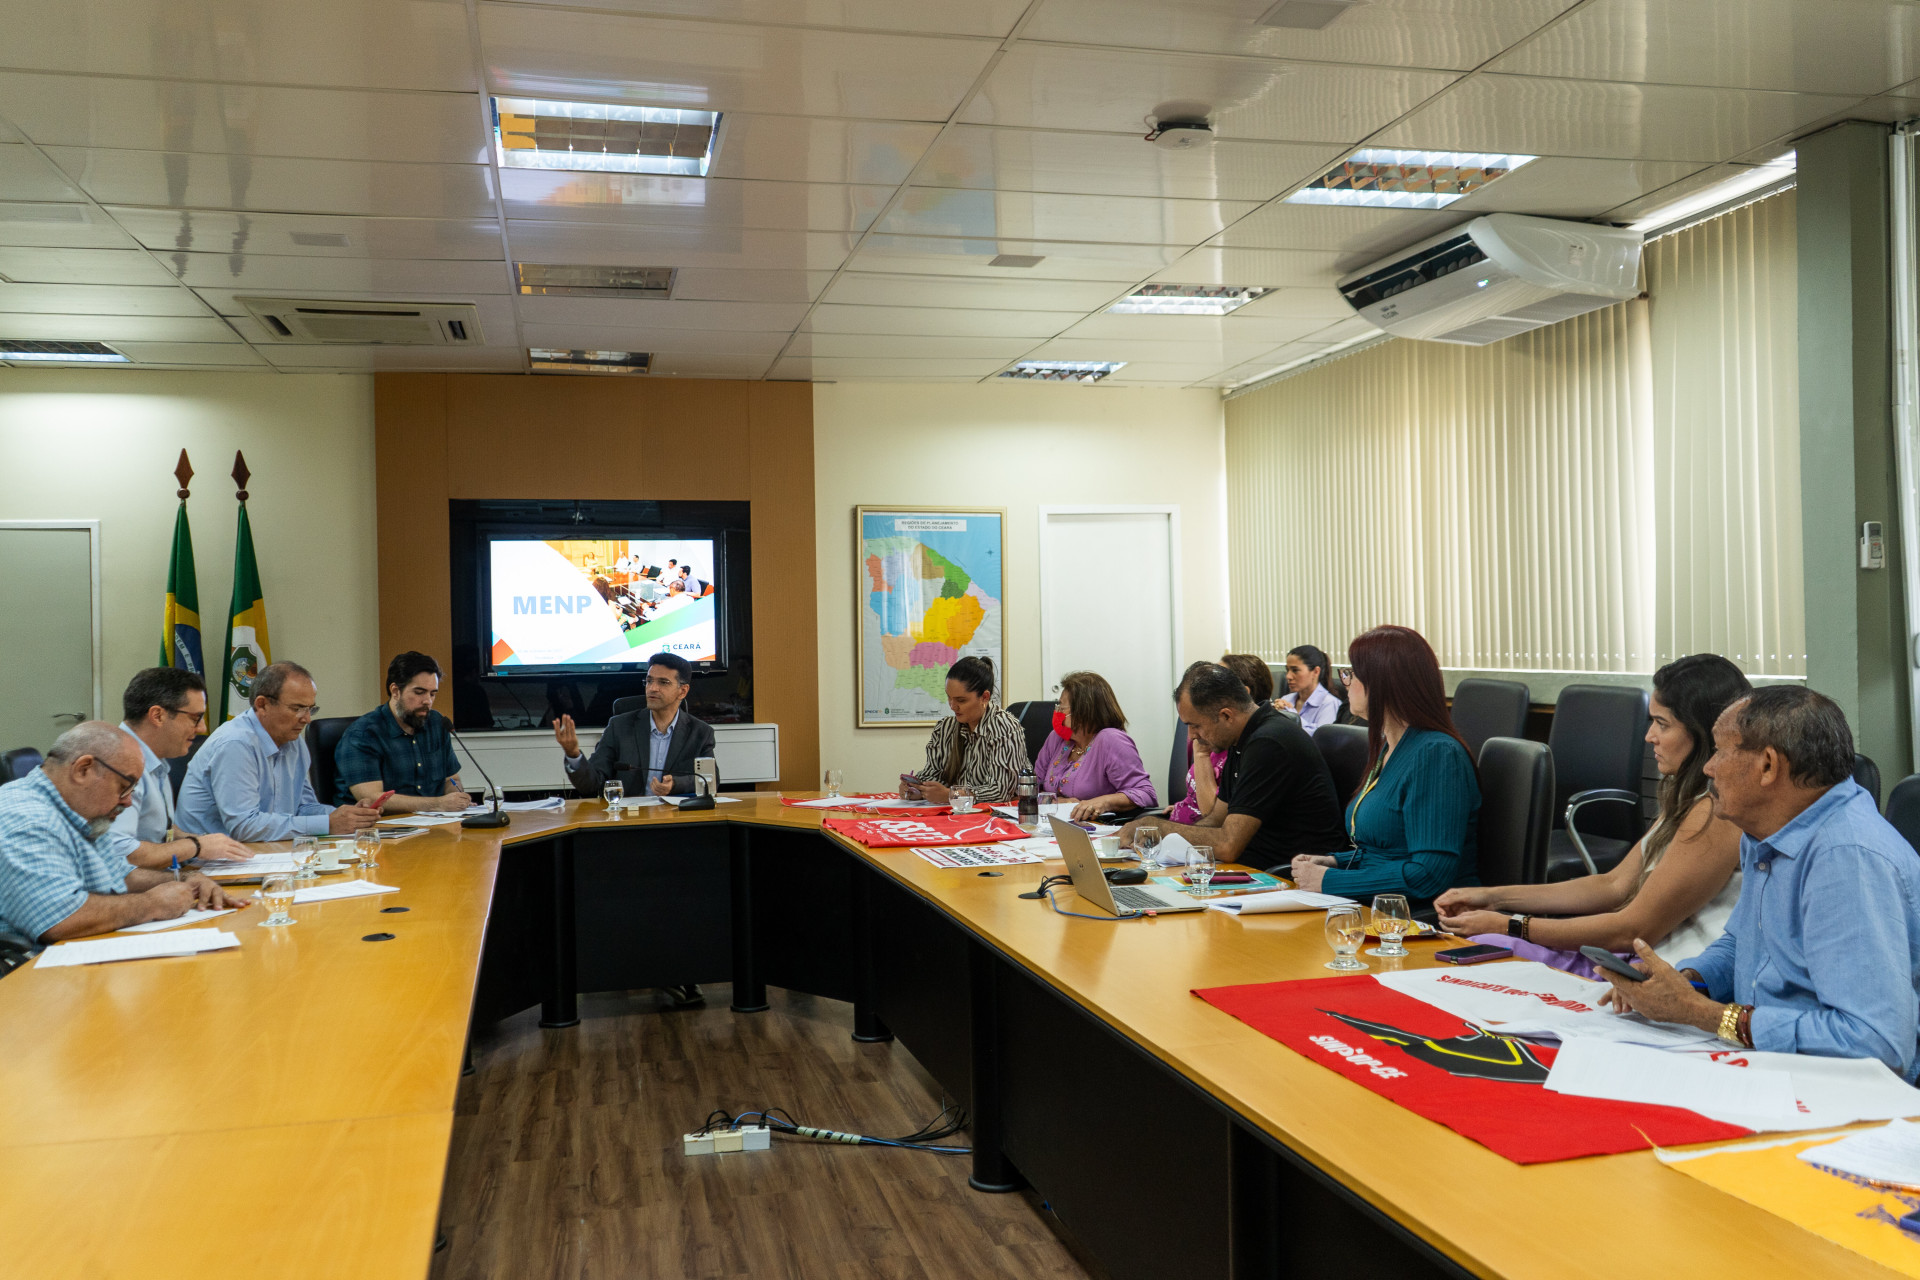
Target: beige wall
[101, 445]
[1021, 446]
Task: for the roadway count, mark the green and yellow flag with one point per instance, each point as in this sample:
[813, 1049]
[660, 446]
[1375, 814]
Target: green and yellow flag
[180, 624]
[247, 649]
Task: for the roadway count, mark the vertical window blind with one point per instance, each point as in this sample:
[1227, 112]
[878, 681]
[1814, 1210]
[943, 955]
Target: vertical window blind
[1599, 495]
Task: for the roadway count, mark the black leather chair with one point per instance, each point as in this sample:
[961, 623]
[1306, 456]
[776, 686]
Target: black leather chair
[1036, 721]
[1344, 747]
[1485, 709]
[18, 763]
[1177, 763]
[1599, 752]
[1903, 809]
[638, 702]
[1516, 810]
[322, 737]
[1867, 774]
[177, 767]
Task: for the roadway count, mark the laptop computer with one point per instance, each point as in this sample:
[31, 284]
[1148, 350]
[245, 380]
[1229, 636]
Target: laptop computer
[1083, 864]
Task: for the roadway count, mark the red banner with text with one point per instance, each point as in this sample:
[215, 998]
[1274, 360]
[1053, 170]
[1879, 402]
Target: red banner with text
[926, 830]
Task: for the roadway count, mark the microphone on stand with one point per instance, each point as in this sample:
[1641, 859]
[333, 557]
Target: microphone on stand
[480, 820]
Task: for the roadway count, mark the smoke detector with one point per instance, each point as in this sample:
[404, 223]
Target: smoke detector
[1181, 135]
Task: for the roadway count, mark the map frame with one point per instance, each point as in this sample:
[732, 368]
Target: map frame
[866, 626]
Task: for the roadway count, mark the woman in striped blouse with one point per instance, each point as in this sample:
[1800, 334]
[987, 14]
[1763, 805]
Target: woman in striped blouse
[979, 744]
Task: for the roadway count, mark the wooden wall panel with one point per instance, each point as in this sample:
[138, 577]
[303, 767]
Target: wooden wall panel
[476, 436]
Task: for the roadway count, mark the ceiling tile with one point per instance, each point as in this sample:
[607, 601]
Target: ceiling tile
[686, 364]
[496, 314]
[1272, 267]
[1060, 260]
[204, 355]
[1521, 114]
[799, 149]
[1361, 233]
[948, 211]
[256, 120]
[1175, 330]
[951, 321]
[876, 346]
[1809, 46]
[82, 266]
[579, 242]
[1056, 87]
[1119, 165]
[861, 289]
[25, 176]
[1634, 210]
[720, 285]
[619, 199]
[74, 226]
[1555, 186]
[344, 358]
[819, 367]
[1211, 357]
[318, 235]
[1322, 304]
[532, 49]
[100, 300]
[1412, 33]
[617, 313]
[981, 18]
[216, 273]
[391, 44]
[634, 338]
[1344, 330]
[270, 184]
[77, 328]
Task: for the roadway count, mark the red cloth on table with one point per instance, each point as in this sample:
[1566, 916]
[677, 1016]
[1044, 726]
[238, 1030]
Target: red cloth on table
[923, 830]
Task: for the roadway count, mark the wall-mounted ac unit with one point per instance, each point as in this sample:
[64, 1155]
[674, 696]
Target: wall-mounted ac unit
[393, 324]
[1499, 275]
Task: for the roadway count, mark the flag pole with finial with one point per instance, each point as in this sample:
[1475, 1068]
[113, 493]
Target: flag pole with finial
[248, 650]
[180, 621]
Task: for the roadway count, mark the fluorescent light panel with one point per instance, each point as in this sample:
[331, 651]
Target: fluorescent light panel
[551, 360]
[540, 133]
[1775, 170]
[1064, 370]
[1187, 299]
[543, 278]
[1388, 179]
[61, 353]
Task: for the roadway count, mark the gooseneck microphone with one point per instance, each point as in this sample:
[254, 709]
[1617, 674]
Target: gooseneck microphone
[480, 820]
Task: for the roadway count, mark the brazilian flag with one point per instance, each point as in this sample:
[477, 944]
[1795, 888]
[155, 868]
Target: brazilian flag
[247, 649]
[180, 624]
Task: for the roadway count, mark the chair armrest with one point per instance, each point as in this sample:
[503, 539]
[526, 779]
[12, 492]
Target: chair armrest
[1579, 800]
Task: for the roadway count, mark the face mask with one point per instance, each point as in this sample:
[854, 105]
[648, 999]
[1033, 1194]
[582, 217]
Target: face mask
[1060, 725]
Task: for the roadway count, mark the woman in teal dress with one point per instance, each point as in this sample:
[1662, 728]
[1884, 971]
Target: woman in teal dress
[1414, 818]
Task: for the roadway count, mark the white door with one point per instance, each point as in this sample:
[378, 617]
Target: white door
[1107, 604]
[49, 631]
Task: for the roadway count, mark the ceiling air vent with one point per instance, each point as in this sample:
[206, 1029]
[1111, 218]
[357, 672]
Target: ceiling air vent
[391, 324]
[61, 352]
[541, 278]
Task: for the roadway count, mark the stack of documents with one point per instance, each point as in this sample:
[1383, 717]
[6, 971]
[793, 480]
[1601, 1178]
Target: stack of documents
[261, 864]
[139, 947]
[1254, 904]
[1889, 1154]
[345, 889]
[426, 819]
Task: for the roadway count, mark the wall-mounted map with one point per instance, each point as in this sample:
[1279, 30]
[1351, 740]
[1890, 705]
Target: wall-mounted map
[929, 592]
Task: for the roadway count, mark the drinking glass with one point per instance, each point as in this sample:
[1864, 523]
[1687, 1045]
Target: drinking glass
[276, 894]
[613, 793]
[1146, 842]
[1045, 799]
[1200, 868]
[834, 779]
[1392, 918]
[961, 798]
[1346, 930]
[366, 843]
[306, 852]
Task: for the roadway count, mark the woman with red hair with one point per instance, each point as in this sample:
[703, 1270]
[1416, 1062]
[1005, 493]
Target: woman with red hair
[1412, 821]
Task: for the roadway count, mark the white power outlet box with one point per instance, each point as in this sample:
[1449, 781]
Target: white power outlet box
[753, 1137]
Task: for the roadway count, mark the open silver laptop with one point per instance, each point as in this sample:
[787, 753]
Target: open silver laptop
[1083, 864]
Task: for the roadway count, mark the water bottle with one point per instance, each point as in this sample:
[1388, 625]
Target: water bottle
[1028, 792]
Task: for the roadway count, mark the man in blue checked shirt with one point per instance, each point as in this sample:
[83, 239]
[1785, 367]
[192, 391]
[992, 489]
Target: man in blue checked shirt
[58, 879]
[1822, 954]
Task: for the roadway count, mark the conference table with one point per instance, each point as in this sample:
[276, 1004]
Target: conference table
[285, 1108]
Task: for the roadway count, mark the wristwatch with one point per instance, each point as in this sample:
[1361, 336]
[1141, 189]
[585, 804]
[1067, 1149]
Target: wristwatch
[1517, 926]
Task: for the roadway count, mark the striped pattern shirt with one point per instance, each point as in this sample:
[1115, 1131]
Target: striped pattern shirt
[48, 865]
[992, 755]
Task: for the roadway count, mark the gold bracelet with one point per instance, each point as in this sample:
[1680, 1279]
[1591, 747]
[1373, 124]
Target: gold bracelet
[1730, 1024]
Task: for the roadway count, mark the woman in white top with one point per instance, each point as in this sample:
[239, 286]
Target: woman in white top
[1308, 678]
[1675, 888]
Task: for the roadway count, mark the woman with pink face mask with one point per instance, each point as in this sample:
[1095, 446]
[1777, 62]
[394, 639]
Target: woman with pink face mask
[1089, 756]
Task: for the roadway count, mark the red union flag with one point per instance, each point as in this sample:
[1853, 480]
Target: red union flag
[926, 831]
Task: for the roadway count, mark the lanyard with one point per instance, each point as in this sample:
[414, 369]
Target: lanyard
[1353, 813]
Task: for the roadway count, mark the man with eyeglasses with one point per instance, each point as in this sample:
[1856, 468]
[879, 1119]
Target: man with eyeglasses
[164, 709]
[58, 879]
[250, 781]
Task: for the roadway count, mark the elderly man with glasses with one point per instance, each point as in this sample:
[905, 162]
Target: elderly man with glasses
[250, 780]
[164, 708]
[58, 879]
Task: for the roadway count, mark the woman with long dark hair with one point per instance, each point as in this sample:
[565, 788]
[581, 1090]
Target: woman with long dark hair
[979, 744]
[1313, 693]
[1412, 822]
[1675, 888]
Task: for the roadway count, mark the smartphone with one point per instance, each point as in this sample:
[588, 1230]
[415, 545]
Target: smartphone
[909, 786]
[376, 803]
[1613, 964]
[1472, 955]
[1224, 877]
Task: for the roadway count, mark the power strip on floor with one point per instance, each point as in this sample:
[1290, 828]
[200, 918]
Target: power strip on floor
[751, 1137]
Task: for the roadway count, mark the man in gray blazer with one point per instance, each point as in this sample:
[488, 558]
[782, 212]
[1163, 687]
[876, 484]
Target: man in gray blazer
[644, 753]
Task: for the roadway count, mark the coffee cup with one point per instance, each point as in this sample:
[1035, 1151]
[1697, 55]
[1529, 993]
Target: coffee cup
[1107, 846]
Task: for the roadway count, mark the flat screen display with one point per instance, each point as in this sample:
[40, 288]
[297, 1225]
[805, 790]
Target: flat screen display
[591, 604]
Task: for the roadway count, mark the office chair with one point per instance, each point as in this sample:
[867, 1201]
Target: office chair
[1516, 810]
[1599, 756]
[1867, 774]
[1036, 722]
[323, 736]
[18, 763]
[637, 702]
[1903, 809]
[1485, 709]
[1344, 747]
[177, 767]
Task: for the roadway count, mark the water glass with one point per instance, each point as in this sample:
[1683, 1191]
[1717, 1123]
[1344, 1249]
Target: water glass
[961, 798]
[276, 895]
[834, 779]
[1044, 799]
[366, 843]
[1146, 841]
[1392, 918]
[1346, 930]
[613, 793]
[306, 852]
[1200, 867]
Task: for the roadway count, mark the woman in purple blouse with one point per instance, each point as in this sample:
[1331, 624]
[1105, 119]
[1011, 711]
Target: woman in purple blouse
[1089, 756]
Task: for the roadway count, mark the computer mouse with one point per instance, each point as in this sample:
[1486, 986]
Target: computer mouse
[1126, 875]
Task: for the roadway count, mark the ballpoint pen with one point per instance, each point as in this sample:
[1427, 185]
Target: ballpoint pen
[175, 860]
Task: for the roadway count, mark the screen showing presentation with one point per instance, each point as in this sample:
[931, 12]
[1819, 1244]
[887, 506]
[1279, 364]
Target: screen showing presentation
[595, 602]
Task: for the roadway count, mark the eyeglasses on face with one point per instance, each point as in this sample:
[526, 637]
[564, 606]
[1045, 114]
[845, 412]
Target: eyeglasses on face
[129, 783]
[198, 717]
[300, 711]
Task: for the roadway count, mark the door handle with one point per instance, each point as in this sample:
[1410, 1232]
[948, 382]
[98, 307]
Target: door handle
[75, 716]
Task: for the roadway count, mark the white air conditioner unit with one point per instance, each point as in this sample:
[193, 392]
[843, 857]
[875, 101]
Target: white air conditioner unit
[392, 324]
[1499, 275]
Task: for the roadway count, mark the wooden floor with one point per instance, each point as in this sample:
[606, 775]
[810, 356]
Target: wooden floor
[566, 1158]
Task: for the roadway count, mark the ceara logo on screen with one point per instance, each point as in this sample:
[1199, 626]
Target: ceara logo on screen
[553, 604]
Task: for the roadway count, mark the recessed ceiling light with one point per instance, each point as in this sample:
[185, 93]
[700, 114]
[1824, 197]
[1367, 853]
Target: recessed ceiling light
[62, 352]
[549, 360]
[1188, 299]
[540, 278]
[1017, 260]
[1779, 170]
[537, 133]
[1406, 179]
[1307, 15]
[1064, 370]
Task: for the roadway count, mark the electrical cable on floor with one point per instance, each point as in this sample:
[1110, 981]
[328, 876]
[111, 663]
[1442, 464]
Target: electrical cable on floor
[950, 1121]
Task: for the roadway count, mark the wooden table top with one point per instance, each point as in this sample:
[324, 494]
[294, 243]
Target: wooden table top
[308, 1052]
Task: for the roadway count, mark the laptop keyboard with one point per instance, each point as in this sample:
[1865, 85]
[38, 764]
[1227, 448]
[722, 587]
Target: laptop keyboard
[1126, 895]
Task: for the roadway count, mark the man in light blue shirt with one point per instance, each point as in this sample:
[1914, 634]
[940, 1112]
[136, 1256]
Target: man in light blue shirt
[250, 780]
[1822, 954]
[164, 708]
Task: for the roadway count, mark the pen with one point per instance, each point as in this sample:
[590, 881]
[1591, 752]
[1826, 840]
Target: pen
[175, 860]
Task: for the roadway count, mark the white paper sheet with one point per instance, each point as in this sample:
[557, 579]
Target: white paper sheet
[639, 802]
[194, 916]
[1175, 850]
[1254, 904]
[1526, 998]
[1890, 1153]
[345, 889]
[515, 806]
[1831, 1091]
[265, 864]
[426, 819]
[1590, 1068]
[140, 947]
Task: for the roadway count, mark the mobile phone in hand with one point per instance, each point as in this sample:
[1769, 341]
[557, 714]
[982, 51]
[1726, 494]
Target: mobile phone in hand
[1612, 963]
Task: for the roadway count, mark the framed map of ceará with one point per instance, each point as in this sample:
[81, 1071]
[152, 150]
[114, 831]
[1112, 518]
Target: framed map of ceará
[930, 590]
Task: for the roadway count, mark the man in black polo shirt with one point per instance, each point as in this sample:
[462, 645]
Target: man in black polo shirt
[402, 746]
[1276, 796]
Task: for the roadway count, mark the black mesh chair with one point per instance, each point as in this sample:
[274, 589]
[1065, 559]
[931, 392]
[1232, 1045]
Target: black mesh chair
[1036, 722]
[1867, 774]
[1516, 810]
[322, 737]
[18, 763]
[1485, 709]
[1903, 809]
[1599, 752]
[1344, 748]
